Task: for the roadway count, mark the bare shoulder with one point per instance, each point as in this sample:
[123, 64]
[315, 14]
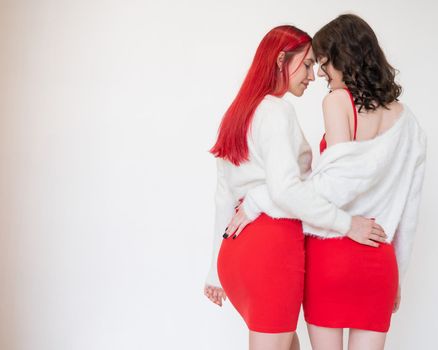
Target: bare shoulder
[338, 99]
[396, 108]
[389, 115]
[336, 106]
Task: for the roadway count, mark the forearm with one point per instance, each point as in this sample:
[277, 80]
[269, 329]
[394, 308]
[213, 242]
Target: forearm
[281, 142]
[258, 200]
[224, 213]
[301, 200]
[224, 210]
[406, 230]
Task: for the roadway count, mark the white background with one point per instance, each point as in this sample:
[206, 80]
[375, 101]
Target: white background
[107, 111]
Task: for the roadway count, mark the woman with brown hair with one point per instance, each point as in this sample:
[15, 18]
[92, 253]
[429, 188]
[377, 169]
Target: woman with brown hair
[372, 165]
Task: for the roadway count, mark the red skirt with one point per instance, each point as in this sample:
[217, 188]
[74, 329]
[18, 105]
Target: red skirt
[262, 273]
[349, 285]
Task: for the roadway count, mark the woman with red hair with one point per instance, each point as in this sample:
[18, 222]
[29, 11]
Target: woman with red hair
[260, 142]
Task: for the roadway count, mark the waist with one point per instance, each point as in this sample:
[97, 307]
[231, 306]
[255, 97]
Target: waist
[277, 213]
[268, 218]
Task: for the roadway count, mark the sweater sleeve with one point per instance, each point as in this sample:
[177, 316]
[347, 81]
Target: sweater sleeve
[405, 232]
[224, 210]
[257, 200]
[279, 137]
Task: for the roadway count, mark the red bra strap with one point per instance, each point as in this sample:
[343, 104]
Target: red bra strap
[355, 112]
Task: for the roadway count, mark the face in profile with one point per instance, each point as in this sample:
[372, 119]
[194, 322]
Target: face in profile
[301, 72]
[333, 76]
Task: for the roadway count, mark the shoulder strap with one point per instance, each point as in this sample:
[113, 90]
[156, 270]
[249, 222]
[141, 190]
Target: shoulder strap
[355, 112]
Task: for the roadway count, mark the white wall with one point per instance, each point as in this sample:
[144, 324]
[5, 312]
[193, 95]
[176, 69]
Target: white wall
[107, 110]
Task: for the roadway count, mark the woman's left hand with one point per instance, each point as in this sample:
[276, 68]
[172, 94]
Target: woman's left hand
[215, 294]
[397, 300]
[238, 223]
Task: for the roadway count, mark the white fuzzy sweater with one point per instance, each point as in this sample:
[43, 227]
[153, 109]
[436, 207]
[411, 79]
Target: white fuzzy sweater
[379, 178]
[280, 158]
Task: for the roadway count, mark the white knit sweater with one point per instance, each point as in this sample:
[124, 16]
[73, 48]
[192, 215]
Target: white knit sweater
[280, 158]
[379, 178]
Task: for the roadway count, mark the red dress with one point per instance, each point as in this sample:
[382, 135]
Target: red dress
[347, 284]
[262, 273]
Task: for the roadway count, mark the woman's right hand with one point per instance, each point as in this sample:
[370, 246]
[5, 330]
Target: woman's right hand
[238, 222]
[366, 231]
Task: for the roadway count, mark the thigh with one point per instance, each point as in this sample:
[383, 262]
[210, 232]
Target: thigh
[270, 341]
[360, 339]
[295, 343]
[323, 338]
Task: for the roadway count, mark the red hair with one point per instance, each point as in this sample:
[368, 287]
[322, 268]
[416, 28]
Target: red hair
[263, 78]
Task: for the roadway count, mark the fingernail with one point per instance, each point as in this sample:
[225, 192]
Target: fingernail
[234, 237]
[225, 235]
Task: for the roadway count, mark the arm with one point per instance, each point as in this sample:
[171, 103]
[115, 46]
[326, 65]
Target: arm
[405, 233]
[224, 210]
[257, 200]
[335, 110]
[279, 137]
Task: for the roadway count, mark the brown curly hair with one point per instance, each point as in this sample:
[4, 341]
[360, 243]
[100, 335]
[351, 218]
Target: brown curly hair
[349, 43]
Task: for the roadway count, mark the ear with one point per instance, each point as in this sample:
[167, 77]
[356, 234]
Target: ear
[280, 60]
